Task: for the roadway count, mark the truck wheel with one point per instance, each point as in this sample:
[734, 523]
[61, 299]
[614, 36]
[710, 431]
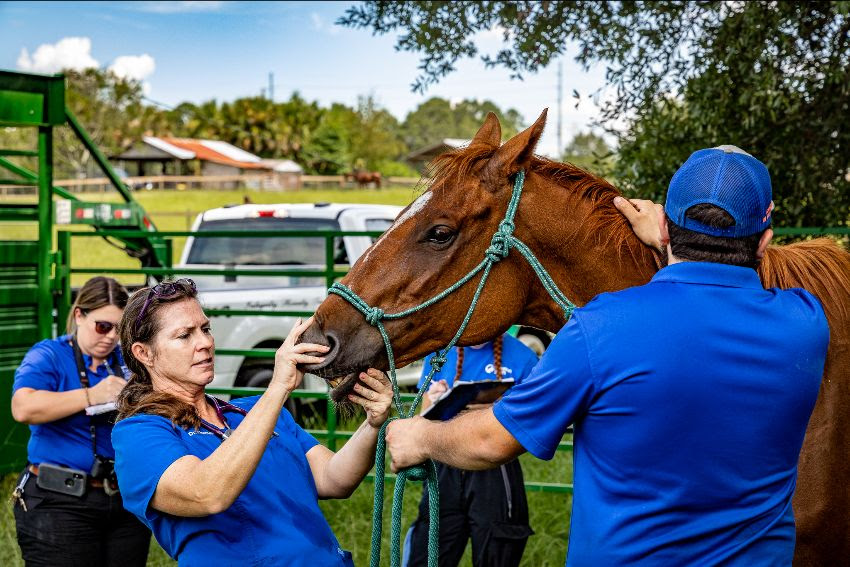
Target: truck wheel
[260, 378]
[534, 339]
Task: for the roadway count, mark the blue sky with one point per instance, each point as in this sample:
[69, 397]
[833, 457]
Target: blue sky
[196, 51]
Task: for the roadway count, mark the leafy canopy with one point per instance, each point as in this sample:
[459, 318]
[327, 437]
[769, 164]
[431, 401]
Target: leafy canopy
[770, 77]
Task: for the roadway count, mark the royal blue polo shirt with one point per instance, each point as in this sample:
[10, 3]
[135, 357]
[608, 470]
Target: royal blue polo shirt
[50, 365]
[690, 397]
[478, 363]
[276, 519]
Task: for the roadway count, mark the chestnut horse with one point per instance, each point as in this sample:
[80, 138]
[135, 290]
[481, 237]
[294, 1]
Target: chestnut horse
[567, 219]
[364, 178]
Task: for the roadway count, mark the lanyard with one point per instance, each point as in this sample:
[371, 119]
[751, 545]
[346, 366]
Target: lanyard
[84, 381]
[220, 407]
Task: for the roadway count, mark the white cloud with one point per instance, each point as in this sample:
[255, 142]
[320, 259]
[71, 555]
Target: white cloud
[136, 67]
[179, 7]
[67, 53]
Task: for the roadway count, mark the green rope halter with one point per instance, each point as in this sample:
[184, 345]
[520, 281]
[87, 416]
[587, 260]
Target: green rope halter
[500, 246]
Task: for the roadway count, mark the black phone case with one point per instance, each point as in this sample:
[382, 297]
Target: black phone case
[61, 479]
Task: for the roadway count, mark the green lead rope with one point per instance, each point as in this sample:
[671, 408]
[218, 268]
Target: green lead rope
[500, 247]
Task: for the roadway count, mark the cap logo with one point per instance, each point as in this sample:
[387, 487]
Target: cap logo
[767, 212]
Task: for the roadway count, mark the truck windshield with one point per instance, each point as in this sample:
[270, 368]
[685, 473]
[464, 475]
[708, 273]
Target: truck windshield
[292, 251]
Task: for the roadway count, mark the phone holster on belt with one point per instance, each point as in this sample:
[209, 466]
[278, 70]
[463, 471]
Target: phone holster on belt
[61, 479]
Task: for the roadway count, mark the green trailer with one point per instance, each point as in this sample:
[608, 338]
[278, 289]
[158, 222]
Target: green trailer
[32, 280]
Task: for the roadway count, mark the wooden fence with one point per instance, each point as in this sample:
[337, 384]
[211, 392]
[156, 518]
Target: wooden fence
[262, 182]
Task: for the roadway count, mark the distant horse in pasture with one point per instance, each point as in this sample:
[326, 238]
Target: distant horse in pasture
[567, 218]
[364, 178]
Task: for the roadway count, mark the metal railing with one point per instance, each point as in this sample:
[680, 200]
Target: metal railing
[331, 436]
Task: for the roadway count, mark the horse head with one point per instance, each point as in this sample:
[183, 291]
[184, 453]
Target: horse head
[444, 234]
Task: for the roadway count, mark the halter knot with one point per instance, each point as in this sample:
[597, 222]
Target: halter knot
[437, 362]
[500, 244]
[374, 315]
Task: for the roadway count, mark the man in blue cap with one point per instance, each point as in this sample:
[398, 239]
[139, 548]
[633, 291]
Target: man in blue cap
[689, 395]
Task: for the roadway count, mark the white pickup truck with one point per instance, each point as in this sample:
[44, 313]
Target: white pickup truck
[274, 293]
[281, 293]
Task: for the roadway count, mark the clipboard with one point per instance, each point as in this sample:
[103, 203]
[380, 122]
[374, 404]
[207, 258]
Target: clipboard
[463, 393]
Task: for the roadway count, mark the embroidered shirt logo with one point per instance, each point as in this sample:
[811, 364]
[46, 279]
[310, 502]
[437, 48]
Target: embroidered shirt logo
[491, 369]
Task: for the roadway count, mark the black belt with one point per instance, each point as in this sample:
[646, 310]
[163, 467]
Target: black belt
[93, 482]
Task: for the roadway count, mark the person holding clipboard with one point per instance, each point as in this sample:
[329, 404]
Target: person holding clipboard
[67, 507]
[489, 507]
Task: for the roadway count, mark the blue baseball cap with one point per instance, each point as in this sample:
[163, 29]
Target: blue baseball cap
[728, 177]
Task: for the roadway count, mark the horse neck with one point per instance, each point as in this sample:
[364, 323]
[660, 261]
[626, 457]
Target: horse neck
[585, 255]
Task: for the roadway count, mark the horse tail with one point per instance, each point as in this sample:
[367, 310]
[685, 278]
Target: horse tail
[819, 266]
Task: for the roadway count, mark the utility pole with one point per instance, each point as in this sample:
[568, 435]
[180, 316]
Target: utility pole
[560, 104]
[271, 86]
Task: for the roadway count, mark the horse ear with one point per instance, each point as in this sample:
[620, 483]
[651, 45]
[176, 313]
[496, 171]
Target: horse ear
[516, 153]
[490, 132]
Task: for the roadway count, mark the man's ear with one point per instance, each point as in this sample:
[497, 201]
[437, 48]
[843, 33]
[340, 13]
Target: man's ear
[516, 153]
[490, 132]
[764, 241]
[662, 225]
[142, 353]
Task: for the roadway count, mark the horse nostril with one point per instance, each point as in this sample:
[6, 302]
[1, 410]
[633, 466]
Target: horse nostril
[333, 343]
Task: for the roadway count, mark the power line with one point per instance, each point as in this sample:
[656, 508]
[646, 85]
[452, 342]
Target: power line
[560, 94]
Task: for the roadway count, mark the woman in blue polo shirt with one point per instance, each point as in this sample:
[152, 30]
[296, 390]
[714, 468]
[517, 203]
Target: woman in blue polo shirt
[488, 507]
[67, 507]
[225, 483]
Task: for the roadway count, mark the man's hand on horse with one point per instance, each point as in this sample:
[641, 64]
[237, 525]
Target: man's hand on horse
[645, 218]
[405, 442]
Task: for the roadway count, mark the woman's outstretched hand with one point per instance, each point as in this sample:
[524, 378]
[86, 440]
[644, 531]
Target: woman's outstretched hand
[373, 393]
[290, 355]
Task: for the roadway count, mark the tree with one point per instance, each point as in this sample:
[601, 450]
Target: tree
[329, 151]
[437, 118]
[376, 137]
[108, 107]
[771, 77]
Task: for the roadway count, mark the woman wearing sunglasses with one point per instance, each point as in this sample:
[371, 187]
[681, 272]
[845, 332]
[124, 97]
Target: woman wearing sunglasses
[67, 507]
[225, 483]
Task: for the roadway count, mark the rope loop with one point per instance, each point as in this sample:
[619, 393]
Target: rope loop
[417, 473]
[374, 315]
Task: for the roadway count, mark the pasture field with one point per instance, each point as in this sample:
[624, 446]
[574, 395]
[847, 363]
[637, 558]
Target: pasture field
[177, 210]
[350, 519]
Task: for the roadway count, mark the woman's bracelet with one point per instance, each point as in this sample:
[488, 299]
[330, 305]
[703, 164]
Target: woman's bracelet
[88, 399]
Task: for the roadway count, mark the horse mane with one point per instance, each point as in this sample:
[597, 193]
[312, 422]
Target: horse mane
[819, 266]
[603, 223]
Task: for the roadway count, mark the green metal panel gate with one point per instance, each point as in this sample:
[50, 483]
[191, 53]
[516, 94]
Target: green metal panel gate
[19, 330]
[28, 286]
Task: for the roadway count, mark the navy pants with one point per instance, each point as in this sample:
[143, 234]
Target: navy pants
[489, 507]
[94, 530]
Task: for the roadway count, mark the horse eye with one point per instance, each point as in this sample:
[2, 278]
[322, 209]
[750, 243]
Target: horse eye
[440, 234]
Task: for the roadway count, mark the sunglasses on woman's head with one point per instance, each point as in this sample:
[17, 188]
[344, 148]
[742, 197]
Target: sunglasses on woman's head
[166, 290]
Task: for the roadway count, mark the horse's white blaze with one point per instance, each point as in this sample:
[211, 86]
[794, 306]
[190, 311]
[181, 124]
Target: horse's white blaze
[411, 211]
